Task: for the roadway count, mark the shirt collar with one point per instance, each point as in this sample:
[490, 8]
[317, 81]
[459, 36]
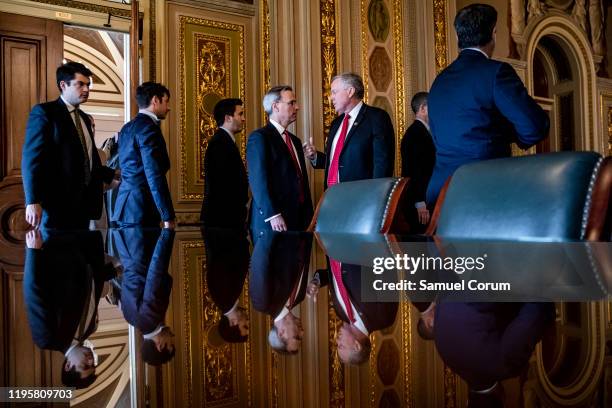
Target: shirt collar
[277, 126]
[149, 114]
[424, 124]
[70, 107]
[477, 49]
[355, 111]
[229, 133]
[155, 332]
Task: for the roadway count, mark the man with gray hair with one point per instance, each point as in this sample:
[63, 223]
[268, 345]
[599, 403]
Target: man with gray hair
[277, 170]
[361, 142]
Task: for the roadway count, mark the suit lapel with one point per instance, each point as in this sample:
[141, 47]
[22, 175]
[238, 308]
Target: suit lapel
[356, 124]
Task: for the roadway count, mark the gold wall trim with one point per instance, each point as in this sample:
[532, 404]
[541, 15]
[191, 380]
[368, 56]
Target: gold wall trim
[188, 361]
[152, 41]
[364, 49]
[264, 21]
[400, 97]
[440, 29]
[185, 193]
[450, 388]
[408, 351]
[80, 5]
[336, 368]
[329, 52]
[610, 131]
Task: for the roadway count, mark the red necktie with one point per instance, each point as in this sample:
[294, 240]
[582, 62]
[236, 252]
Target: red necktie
[332, 174]
[295, 163]
[336, 267]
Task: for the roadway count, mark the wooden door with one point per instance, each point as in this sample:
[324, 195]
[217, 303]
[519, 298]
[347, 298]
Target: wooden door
[30, 51]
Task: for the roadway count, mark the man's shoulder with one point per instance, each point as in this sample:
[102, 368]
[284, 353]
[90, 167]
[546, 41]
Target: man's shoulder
[49, 107]
[374, 111]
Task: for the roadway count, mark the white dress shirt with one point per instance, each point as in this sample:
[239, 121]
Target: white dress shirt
[149, 114]
[353, 115]
[358, 322]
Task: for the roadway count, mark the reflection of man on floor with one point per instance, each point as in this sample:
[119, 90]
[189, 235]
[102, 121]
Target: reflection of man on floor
[360, 318]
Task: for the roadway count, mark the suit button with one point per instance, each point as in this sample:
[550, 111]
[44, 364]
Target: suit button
[260, 212]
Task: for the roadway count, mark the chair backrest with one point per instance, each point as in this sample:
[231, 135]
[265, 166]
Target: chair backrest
[359, 207]
[540, 197]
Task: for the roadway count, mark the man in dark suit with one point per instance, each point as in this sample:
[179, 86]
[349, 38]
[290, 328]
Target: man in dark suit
[498, 344]
[277, 170]
[62, 175]
[226, 187]
[227, 265]
[479, 106]
[63, 281]
[279, 275]
[418, 158]
[361, 142]
[144, 198]
[360, 318]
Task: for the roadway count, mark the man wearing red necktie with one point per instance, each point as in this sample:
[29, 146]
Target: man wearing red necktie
[277, 170]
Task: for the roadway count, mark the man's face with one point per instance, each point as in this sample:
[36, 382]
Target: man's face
[164, 340]
[341, 96]
[76, 91]
[235, 122]
[160, 107]
[346, 342]
[287, 108]
[291, 332]
[82, 358]
[241, 320]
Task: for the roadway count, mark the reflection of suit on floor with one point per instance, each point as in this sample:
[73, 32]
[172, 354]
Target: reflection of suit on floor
[227, 264]
[143, 198]
[61, 280]
[369, 147]
[477, 108]
[488, 342]
[145, 285]
[226, 188]
[53, 168]
[418, 158]
[275, 183]
[279, 268]
[375, 315]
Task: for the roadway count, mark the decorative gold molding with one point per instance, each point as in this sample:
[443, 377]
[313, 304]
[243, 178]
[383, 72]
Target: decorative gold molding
[336, 368]
[152, 41]
[80, 5]
[609, 130]
[364, 49]
[184, 20]
[406, 356]
[185, 248]
[264, 21]
[374, 378]
[400, 97]
[439, 11]
[329, 50]
[450, 388]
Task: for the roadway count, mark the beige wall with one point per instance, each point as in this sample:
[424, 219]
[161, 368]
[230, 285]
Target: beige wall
[502, 48]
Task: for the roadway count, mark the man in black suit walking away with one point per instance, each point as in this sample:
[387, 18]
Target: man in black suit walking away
[62, 173]
[361, 142]
[144, 197]
[226, 188]
[418, 159]
[277, 170]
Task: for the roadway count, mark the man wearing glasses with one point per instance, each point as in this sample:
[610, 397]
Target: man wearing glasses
[276, 169]
[62, 174]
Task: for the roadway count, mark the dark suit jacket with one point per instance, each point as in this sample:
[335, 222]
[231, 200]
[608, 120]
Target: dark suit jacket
[226, 187]
[477, 107]
[53, 169]
[488, 342]
[144, 198]
[56, 282]
[145, 284]
[275, 183]
[227, 265]
[279, 260]
[369, 147]
[375, 315]
[418, 158]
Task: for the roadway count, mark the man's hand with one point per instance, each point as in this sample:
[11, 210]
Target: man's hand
[278, 224]
[113, 185]
[313, 289]
[309, 150]
[170, 224]
[34, 215]
[423, 213]
[34, 239]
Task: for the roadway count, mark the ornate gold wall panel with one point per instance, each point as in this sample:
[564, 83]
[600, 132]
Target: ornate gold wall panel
[337, 395]
[400, 90]
[211, 59]
[328, 58]
[440, 30]
[264, 22]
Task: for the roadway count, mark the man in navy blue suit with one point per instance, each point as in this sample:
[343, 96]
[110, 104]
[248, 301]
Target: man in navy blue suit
[62, 174]
[479, 106]
[226, 187]
[144, 198]
[361, 142]
[277, 170]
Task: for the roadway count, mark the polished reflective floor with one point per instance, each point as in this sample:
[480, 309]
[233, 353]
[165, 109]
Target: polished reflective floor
[195, 317]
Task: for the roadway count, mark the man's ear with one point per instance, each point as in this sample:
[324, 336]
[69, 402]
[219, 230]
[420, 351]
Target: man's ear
[67, 365]
[357, 345]
[63, 85]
